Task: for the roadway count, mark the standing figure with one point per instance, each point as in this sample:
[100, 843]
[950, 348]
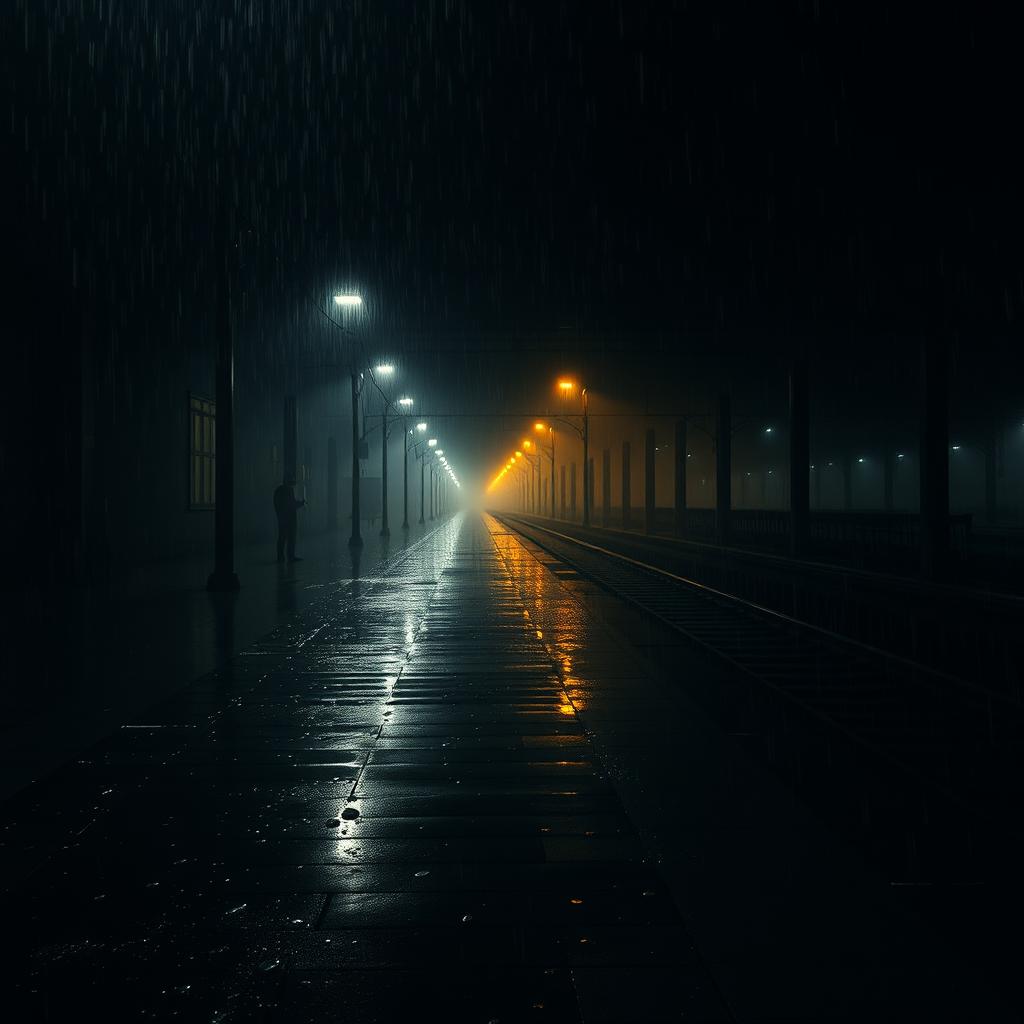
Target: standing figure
[286, 506]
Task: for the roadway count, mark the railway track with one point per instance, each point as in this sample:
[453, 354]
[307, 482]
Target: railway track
[952, 737]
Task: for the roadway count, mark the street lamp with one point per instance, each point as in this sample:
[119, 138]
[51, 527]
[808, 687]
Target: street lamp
[384, 370]
[533, 457]
[406, 403]
[352, 301]
[540, 428]
[567, 387]
[419, 451]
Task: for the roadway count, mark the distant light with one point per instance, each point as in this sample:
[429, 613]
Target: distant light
[860, 460]
[421, 427]
[830, 463]
[899, 455]
[385, 369]
[767, 430]
[539, 427]
[566, 385]
[769, 472]
[432, 442]
[348, 300]
[519, 455]
[812, 465]
[956, 447]
[439, 451]
[689, 455]
[405, 401]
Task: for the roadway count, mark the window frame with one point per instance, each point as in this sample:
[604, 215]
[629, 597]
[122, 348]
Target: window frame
[204, 497]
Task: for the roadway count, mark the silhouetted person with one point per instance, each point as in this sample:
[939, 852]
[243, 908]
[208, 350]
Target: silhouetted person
[286, 505]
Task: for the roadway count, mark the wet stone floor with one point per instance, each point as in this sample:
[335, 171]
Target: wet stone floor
[389, 810]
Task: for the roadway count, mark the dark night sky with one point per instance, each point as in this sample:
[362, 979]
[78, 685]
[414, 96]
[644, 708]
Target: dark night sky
[505, 179]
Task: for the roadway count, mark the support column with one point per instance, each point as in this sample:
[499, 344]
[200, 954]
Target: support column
[385, 527]
[847, 482]
[649, 482]
[590, 488]
[799, 458]
[332, 484]
[423, 471]
[723, 470]
[572, 491]
[934, 457]
[356, 538]
[888, 480]
[625, 485]
[405, 473]
[562, 496]
[223, 576]
[606, 487]
[680, 477]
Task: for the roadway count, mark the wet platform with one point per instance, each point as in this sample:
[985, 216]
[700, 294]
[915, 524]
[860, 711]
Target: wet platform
[450, 792]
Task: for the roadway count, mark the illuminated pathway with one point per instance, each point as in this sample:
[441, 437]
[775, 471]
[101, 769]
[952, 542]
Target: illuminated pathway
[452, 794]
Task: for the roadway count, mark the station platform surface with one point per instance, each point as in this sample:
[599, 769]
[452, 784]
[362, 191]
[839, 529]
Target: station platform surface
[449, 792]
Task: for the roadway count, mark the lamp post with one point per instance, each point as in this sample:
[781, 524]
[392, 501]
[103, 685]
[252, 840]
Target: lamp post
[566, 388]
[405, 403]
[418, 453]
[540, 428]
[533, 458]
[351, 301]
[385, 370]
[432, 443]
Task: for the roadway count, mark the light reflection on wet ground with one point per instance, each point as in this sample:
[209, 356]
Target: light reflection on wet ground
[385, 804]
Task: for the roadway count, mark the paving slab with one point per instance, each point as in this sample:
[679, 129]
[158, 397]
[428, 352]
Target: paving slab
[450, 786]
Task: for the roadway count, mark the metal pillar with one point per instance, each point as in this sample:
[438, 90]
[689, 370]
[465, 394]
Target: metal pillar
[552, 472]
[625, 485]
[356, 539]
[680, 477]
[223, 576]
[332, 484]
[889, 481]
[586, 464]
[385, 528]
[572, 491]
[606, 487]
[562, 503]
[405, 474]
[799, 458]
[723, 470]
[431, 492]
[649, 491]
[423, 473]
[935, 457]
